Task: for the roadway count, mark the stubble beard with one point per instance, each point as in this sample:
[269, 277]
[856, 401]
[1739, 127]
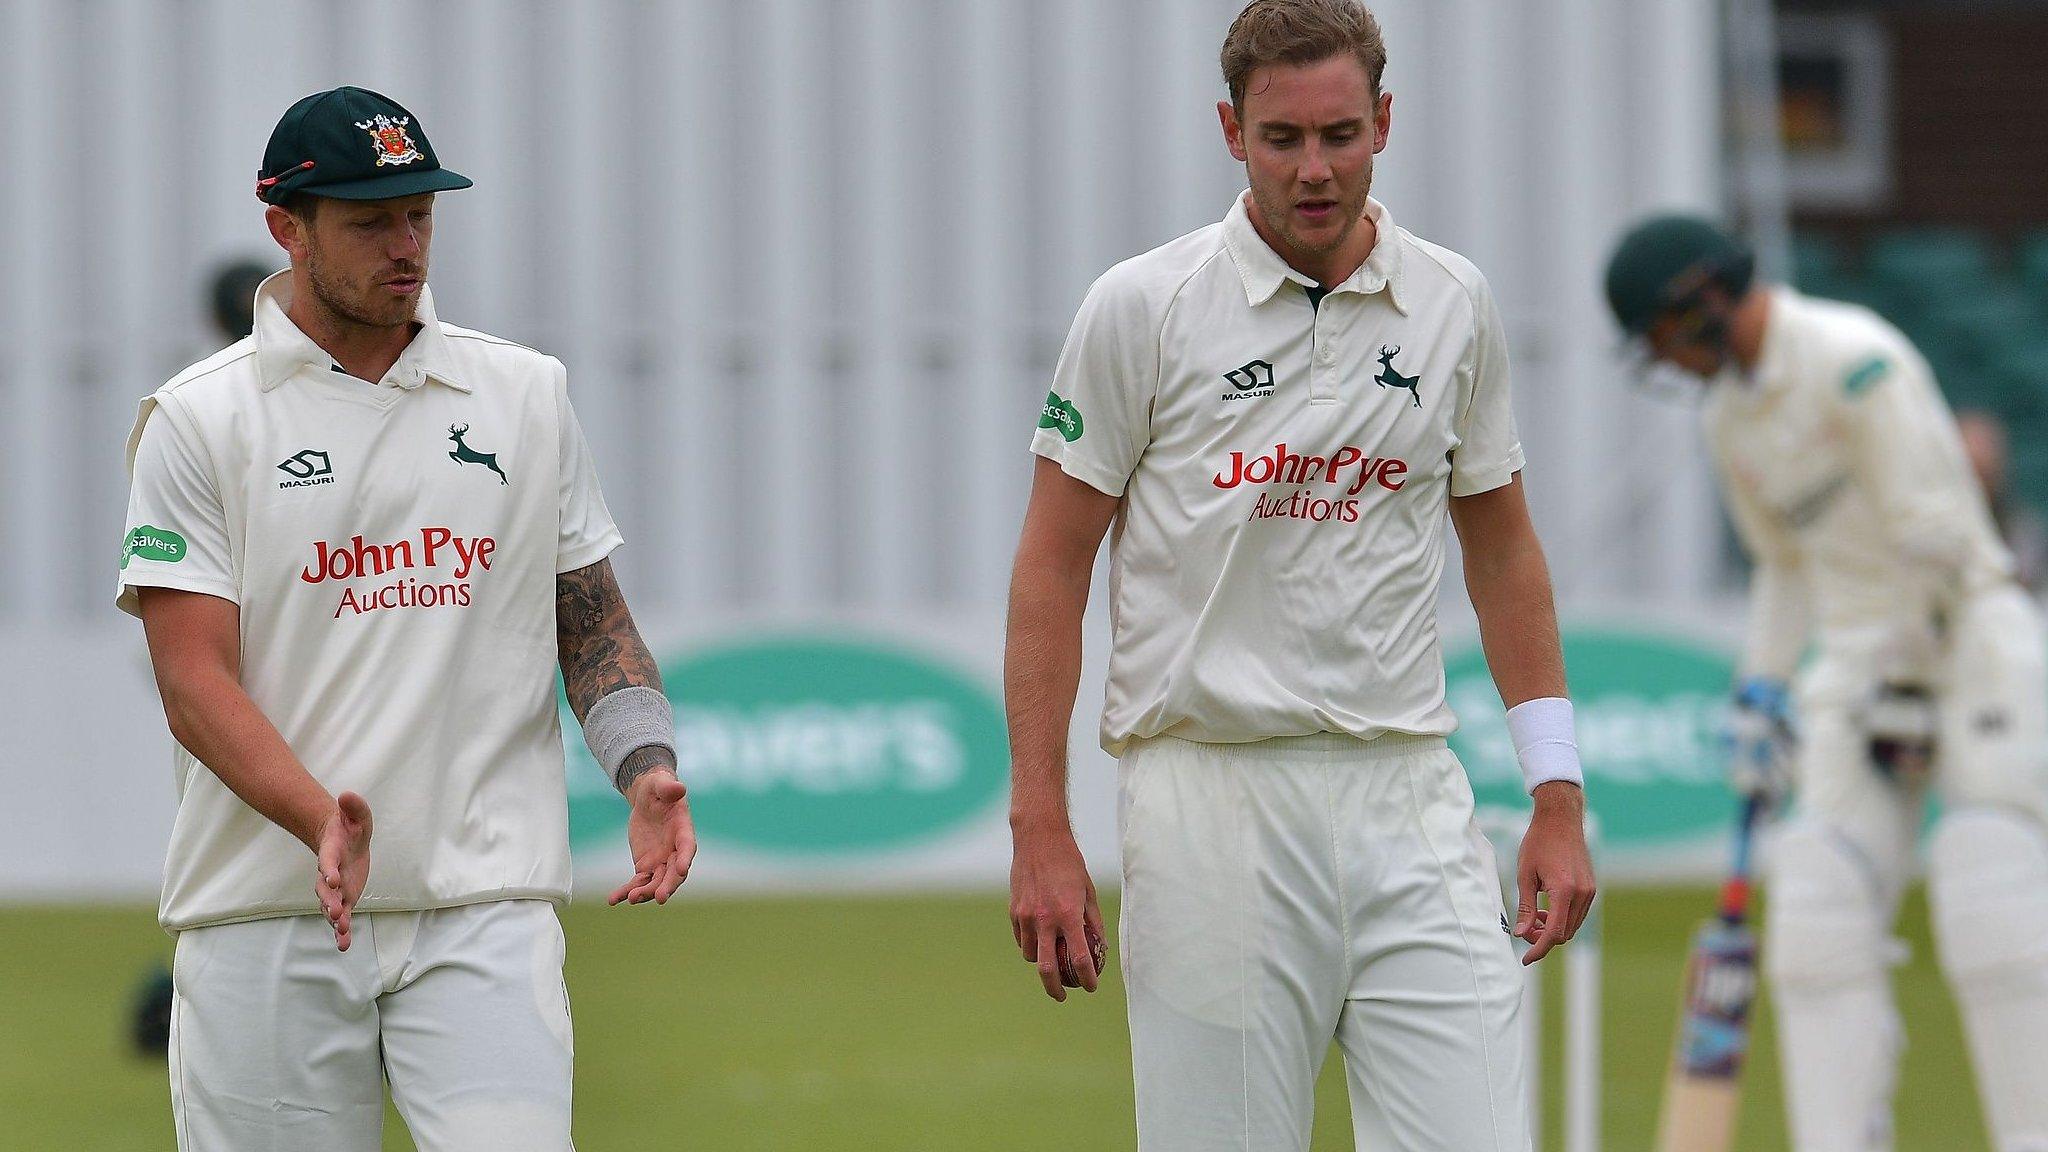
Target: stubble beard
[352, 309]
[1280, 218]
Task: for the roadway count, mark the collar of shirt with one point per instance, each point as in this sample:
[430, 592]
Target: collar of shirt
[1263, 271]
[282, 349]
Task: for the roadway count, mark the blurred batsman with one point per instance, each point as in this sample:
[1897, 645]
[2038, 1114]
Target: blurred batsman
[1848, 484]
[1279, 413]
[345, 614]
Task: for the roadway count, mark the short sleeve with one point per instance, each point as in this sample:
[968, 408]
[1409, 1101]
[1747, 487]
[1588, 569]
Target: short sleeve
[1096, 421]
[1489, 451]
[587, 532]
[177, 530]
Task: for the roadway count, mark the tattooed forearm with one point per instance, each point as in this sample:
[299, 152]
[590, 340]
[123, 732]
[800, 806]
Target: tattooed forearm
[600, 649]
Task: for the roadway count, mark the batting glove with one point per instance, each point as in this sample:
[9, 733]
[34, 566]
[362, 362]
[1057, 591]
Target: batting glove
[1759, 740]
[1901, 722]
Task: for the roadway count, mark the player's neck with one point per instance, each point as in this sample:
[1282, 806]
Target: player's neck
[1747, 324]
[364, 351]
[1338, 266]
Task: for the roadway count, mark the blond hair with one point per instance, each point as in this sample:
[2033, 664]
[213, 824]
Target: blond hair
[1300, 32]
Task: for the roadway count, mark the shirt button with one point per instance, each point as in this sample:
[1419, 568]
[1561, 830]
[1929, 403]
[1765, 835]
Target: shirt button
[1327, 355]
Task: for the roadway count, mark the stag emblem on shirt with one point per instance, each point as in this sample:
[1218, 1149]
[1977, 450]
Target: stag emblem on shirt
[464, 454]
[1390, 378]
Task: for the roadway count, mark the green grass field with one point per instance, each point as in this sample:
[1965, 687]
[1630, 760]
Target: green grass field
[870, 1024]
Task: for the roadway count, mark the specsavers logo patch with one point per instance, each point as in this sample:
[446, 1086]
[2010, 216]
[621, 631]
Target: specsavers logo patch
[1326, 487]
[1061, 414]
[153, 544]
[1865, 375]
[449, 563]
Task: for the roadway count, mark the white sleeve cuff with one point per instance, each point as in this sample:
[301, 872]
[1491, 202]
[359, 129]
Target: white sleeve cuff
[1545, 744]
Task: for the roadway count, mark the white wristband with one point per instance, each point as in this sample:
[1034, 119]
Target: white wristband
[1544, 741]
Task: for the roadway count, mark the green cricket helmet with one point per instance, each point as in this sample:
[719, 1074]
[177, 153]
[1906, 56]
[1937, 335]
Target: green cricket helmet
[1663, 263]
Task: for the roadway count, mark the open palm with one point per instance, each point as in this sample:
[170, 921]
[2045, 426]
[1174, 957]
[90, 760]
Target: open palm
[662, 839]
[344, 864]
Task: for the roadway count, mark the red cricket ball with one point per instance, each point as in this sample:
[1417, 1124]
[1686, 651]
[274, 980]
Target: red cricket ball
[1097, 951]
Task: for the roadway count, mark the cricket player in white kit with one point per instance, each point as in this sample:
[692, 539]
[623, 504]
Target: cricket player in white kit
[361, 539]
[1848, 484]
[1276, 412]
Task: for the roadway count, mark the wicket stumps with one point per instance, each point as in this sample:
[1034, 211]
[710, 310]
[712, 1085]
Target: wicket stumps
[1581, 961]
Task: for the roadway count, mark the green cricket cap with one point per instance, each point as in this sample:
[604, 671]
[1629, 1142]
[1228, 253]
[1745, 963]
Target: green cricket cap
[1664, 261]
[350, 144]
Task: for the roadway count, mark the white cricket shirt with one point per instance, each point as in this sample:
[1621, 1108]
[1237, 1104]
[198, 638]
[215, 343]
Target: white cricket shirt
[1284, 470]
[1847, 481]
[393, 548]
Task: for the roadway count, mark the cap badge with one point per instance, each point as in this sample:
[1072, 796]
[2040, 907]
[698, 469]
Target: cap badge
[394, 146]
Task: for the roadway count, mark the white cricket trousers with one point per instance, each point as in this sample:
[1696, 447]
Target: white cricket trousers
[280, 1043]
[1282, 894]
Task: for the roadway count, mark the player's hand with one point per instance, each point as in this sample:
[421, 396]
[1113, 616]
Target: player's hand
[1556, 866]
[1902, 723]
[663, 840]
[1760, 740]
[344, 856]
[1053, 911]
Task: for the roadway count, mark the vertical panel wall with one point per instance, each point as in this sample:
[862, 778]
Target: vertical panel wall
[810, 261]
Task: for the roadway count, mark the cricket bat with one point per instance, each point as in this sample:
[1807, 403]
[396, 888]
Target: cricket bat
[1703, 1093]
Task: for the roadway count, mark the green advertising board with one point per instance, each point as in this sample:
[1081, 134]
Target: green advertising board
[1649, 710]
[809, 748]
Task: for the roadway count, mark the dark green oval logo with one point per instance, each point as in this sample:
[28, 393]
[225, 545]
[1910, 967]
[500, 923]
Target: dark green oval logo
[1649, 711]
[807, 746]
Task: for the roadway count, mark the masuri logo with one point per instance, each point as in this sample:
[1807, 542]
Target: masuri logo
[153, 544]
[806, 747]
[1060, 414]
[1252, 379]
[307, 467]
